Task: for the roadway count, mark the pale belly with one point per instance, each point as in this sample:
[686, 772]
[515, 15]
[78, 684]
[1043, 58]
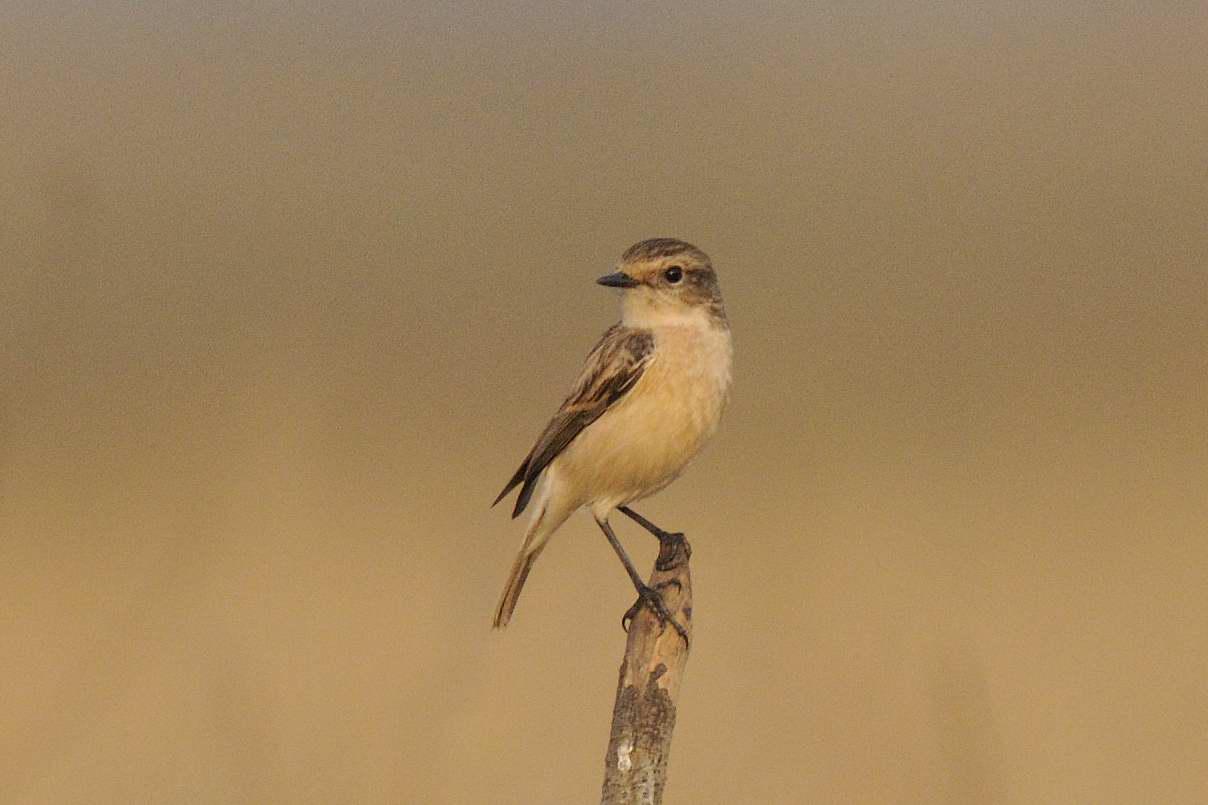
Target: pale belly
[646, 441]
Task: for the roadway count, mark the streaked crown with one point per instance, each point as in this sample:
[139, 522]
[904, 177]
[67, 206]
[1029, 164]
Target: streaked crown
[671, 273]
[658, 248]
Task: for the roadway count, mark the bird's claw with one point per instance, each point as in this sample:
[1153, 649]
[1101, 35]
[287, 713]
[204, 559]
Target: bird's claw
[651, 598]
[665, 537]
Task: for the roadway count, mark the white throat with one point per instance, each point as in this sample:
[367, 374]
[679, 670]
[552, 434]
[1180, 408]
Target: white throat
[640, 310]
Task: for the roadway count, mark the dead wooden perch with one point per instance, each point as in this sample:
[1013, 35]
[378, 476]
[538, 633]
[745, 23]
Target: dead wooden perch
[643, 716]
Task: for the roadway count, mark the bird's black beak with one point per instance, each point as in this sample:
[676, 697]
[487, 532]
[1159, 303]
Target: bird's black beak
[618, 279]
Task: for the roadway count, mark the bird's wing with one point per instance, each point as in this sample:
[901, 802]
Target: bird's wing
[611, 370]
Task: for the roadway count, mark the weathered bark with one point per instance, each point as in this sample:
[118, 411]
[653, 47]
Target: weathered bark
[643, 716]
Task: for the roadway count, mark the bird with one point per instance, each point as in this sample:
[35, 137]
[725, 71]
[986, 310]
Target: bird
[650, 395]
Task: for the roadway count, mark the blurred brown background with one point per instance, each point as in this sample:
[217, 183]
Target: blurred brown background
[287, 293]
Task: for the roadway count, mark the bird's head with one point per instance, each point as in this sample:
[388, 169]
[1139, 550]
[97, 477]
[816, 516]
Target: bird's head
[666, 281]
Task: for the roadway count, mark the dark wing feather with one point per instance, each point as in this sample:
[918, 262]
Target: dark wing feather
[517, 478]
[611, 370]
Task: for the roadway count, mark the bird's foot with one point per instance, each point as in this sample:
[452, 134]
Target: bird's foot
[667, 558]
[651, 598]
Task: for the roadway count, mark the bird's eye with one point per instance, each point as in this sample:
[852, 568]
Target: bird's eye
[674, 274]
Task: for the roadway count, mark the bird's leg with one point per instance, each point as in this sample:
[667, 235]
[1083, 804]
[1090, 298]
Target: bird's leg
[646, 594]
[662, 535]
[653, 599]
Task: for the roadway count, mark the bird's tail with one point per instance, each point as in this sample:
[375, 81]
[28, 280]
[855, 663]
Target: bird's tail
[549, 513]
[511, 590]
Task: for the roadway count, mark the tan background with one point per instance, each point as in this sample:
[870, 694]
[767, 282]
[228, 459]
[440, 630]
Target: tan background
[286, 294]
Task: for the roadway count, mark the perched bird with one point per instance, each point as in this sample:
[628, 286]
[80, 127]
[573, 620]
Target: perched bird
[650, 395]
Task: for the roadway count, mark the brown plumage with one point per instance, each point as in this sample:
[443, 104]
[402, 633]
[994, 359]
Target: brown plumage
[611, 369]
[650, 395]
